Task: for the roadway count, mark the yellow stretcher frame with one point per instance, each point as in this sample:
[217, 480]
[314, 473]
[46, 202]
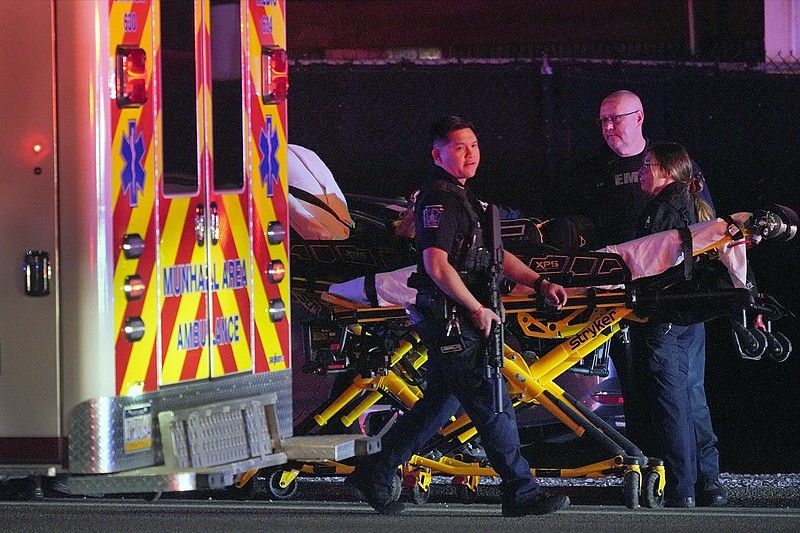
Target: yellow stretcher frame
[643, 478]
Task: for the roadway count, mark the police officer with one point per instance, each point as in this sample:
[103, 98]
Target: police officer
[454, 323]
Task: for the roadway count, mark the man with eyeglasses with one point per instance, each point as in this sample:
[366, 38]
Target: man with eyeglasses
[614, 202]
[621, 119]
[615, 197]
[614, 205]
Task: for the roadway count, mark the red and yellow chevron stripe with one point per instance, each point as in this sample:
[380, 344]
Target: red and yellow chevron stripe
[185, 350]
[266, 26]
[131, 24]
[195, 334]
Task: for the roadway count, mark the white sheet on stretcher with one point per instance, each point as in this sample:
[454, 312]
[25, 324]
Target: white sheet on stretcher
[646, 256]
[391, 288]
[308, 172]
[653, 254]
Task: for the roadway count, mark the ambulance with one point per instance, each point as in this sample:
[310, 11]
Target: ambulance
[144, 288]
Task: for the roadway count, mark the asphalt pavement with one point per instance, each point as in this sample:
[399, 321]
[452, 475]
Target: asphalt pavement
[769, 503]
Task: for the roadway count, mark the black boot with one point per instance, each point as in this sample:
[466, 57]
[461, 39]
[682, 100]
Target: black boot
[711, 493]
[378, 497]
[541, 503]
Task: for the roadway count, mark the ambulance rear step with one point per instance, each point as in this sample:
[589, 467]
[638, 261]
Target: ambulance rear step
[233, 431]
[160, 479]
[329, 447]
[207, 446]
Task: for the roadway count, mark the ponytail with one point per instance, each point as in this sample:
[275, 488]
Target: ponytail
[675, 162]
[704, 211]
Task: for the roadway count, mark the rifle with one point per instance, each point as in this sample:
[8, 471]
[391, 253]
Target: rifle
[494, 346]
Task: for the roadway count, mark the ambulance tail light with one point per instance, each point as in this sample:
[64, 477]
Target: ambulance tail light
[276, 271]
[274, 75]
[134, 287]
[131, 76]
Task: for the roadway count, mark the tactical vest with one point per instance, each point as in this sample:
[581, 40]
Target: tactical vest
[468, 255]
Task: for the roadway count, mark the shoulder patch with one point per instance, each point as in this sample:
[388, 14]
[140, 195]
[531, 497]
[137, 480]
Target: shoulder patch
[432, 216]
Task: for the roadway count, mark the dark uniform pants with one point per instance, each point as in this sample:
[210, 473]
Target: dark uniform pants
[453, 379]
[669, 367]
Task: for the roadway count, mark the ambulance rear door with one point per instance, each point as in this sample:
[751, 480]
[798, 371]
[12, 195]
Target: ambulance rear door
[204, 242]
[29, 354]
[222, 239]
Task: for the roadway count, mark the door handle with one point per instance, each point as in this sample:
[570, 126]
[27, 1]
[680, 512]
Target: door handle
[38, 273]
[200, 224]
[213, 223]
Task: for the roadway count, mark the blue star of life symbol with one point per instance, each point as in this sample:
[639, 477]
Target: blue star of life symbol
[133, 173]
[269, 166]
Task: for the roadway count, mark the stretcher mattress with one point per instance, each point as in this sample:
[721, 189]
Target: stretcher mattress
[645, 257]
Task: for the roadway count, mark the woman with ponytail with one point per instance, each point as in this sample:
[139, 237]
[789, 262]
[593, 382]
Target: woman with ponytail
[669, 359]
[666, 177]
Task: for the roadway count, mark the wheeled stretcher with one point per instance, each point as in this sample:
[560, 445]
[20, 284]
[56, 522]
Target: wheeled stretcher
[632, 281]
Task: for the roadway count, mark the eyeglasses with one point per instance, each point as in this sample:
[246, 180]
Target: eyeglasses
[614, 119]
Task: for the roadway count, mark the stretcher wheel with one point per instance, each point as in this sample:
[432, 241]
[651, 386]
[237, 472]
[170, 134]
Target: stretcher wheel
[278, 492]
[761, 341]
[465, 494]
[397, 486]
[419, 496]
[652, 497]
[751, 342]
[630, 489]
[779, 347]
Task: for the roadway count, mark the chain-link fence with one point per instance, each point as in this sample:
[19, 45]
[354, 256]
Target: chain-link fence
[368, 120]
[782, 63]
[536, 117]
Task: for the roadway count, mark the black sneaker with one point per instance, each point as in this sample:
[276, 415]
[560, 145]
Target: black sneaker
[379, 498]
[683, 503]
[712, 494]
[541, 503]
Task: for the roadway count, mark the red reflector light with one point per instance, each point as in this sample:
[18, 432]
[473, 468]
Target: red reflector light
[131, 77]
[276, 271]
[134, 287]
[608, 398]
[274, 75]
